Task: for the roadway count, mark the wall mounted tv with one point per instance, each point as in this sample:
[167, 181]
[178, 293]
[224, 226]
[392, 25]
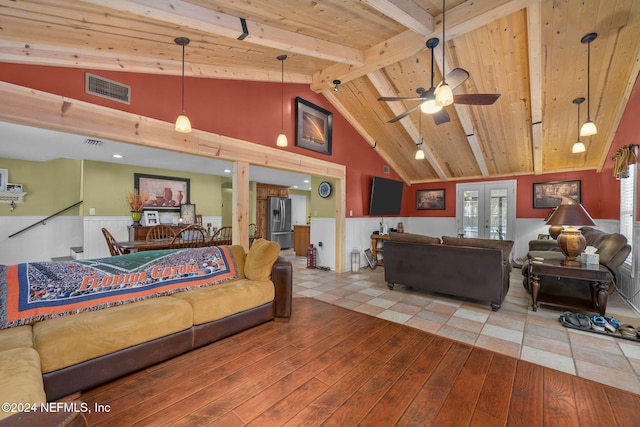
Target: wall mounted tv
[386, 197]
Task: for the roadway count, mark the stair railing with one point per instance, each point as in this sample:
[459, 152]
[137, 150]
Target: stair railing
[44, 221]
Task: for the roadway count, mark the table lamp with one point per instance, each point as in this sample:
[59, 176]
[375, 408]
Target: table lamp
[571, 240]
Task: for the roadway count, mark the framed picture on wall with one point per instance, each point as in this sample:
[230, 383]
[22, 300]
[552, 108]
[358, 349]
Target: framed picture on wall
[551, 194]
[165, 193]
[313, 127]
[430, 199]
[4, 178]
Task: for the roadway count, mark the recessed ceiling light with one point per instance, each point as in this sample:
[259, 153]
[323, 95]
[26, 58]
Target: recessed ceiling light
[227, 171]
[306, 181]
[118, 156]
[295, 186]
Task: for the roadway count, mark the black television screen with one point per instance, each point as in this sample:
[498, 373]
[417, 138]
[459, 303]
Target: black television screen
[386, 197]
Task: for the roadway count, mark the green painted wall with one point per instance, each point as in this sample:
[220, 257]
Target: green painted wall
[50, 186]
[106, 186]
[322, 207]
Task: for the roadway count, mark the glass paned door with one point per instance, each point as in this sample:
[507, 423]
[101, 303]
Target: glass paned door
[486, 210]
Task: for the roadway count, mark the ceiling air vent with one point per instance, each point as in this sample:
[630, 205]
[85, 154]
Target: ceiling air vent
[93, 142]
[106, 88]
[386, 169]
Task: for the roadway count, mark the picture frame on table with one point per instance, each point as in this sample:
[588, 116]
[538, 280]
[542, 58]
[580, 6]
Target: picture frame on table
[551, 194]
[430, 199]
[151, 218]
[13, 188]
[165, 193]
[188, 213]
[314, 126]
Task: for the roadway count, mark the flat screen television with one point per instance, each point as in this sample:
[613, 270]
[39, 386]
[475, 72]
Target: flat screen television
[386, 197]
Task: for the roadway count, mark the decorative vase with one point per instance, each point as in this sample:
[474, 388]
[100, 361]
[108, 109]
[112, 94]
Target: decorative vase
[168, 195]
[179, 197]
[136, 216]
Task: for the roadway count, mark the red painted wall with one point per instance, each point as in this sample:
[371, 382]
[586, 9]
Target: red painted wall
[252, 111]
[246, 110]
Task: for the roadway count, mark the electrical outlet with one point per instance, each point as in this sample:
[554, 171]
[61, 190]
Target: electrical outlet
[92, 211]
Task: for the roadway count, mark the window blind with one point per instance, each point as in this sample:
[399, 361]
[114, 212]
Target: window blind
[627, 209]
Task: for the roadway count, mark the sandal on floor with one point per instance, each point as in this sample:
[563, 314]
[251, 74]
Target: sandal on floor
[569, 319]
[583, 320]
[628, 331]
[612, 324]
[598, 323]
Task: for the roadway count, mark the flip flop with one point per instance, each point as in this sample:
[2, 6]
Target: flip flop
[569, 319]
[583, 320]
[628, 331]
[598, 323]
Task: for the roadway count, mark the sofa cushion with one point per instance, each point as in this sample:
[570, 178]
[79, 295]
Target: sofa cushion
[21, 336]
[413, 238]
[611, 247]
[67, 340]
[20, 378]
[239, 255]
[260, 259]
[220, 301]
[505, 245]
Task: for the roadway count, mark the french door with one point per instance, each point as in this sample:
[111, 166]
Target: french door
[486, 210]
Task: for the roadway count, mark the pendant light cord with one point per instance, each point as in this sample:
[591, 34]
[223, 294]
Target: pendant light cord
[588, 82]
[444, 79]
[282, 97]
[182, 79]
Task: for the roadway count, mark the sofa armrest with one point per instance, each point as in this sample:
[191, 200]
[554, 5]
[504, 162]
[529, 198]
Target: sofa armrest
[543, 245]
[282, 277]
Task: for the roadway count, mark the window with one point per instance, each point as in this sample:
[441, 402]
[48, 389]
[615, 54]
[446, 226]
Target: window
[628, 211]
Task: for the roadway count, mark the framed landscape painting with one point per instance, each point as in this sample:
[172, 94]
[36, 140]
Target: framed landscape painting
[430, 199]
[313, 127]
[551, 194]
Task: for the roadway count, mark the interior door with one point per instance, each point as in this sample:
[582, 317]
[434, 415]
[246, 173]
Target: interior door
[486, 210]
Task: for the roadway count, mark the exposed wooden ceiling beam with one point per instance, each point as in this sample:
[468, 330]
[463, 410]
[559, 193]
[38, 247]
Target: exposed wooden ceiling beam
[385, 88]
[461, 19]
[405, 12]
[535, 83]
[200, 18]
[57, 56]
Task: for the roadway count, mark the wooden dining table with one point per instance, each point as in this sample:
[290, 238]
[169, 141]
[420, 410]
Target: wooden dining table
[157, 244]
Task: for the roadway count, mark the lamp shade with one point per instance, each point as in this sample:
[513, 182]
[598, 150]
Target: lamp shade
[183, 125]
[570, 214]
[282, 140]
[444, 95]
[588, 129]
[419, 154]
[578, 147]
[430, 107]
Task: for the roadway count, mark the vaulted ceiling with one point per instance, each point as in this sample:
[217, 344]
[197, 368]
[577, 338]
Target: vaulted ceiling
[529, 51]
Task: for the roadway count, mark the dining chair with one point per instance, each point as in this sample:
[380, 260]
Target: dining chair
[221, 237]
[114, 247]
[160, 231]
[192, 236]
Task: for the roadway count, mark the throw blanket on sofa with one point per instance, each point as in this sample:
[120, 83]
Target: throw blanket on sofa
[31, 292]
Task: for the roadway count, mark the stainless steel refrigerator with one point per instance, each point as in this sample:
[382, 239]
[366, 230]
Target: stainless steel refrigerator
[279, 221]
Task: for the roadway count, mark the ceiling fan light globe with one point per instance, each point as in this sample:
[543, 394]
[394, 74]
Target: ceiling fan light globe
[419, 154]
[444, 95]
[430, 107]
[578, 147]
[282, 140]
[588, 128]
[183, 125]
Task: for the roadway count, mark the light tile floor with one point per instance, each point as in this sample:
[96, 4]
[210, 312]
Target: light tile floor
[514, 330]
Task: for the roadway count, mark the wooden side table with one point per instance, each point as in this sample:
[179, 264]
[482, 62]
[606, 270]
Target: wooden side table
[596, 275]
[374, 246]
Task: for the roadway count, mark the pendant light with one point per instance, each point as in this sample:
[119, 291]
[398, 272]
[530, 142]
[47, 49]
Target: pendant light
[588, 128]
[183, 125]
[282, 138]
[578, 146]
[419, 152]
[444, 94]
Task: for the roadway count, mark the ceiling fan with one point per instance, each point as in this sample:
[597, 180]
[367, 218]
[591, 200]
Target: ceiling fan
[428, 105]
[432, 100]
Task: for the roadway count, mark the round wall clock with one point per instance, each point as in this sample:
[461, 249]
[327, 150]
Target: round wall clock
[324, 189]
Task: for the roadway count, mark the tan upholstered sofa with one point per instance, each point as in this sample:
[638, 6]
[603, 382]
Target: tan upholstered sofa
[462, 267]
[54, 358]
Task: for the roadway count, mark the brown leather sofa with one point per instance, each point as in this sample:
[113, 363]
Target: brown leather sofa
[471, 268]
[612, 249]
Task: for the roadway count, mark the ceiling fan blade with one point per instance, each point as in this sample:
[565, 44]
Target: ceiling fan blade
[476, 98]
[441, 117]
[405, 114]
[400, 98]
[456, 77]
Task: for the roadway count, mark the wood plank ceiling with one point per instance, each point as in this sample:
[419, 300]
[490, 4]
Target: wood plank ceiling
[528, 51]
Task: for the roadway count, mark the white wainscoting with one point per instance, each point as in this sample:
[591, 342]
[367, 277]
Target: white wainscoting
[41, 242]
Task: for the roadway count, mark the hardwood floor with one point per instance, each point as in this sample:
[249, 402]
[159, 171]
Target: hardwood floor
[335, 367]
